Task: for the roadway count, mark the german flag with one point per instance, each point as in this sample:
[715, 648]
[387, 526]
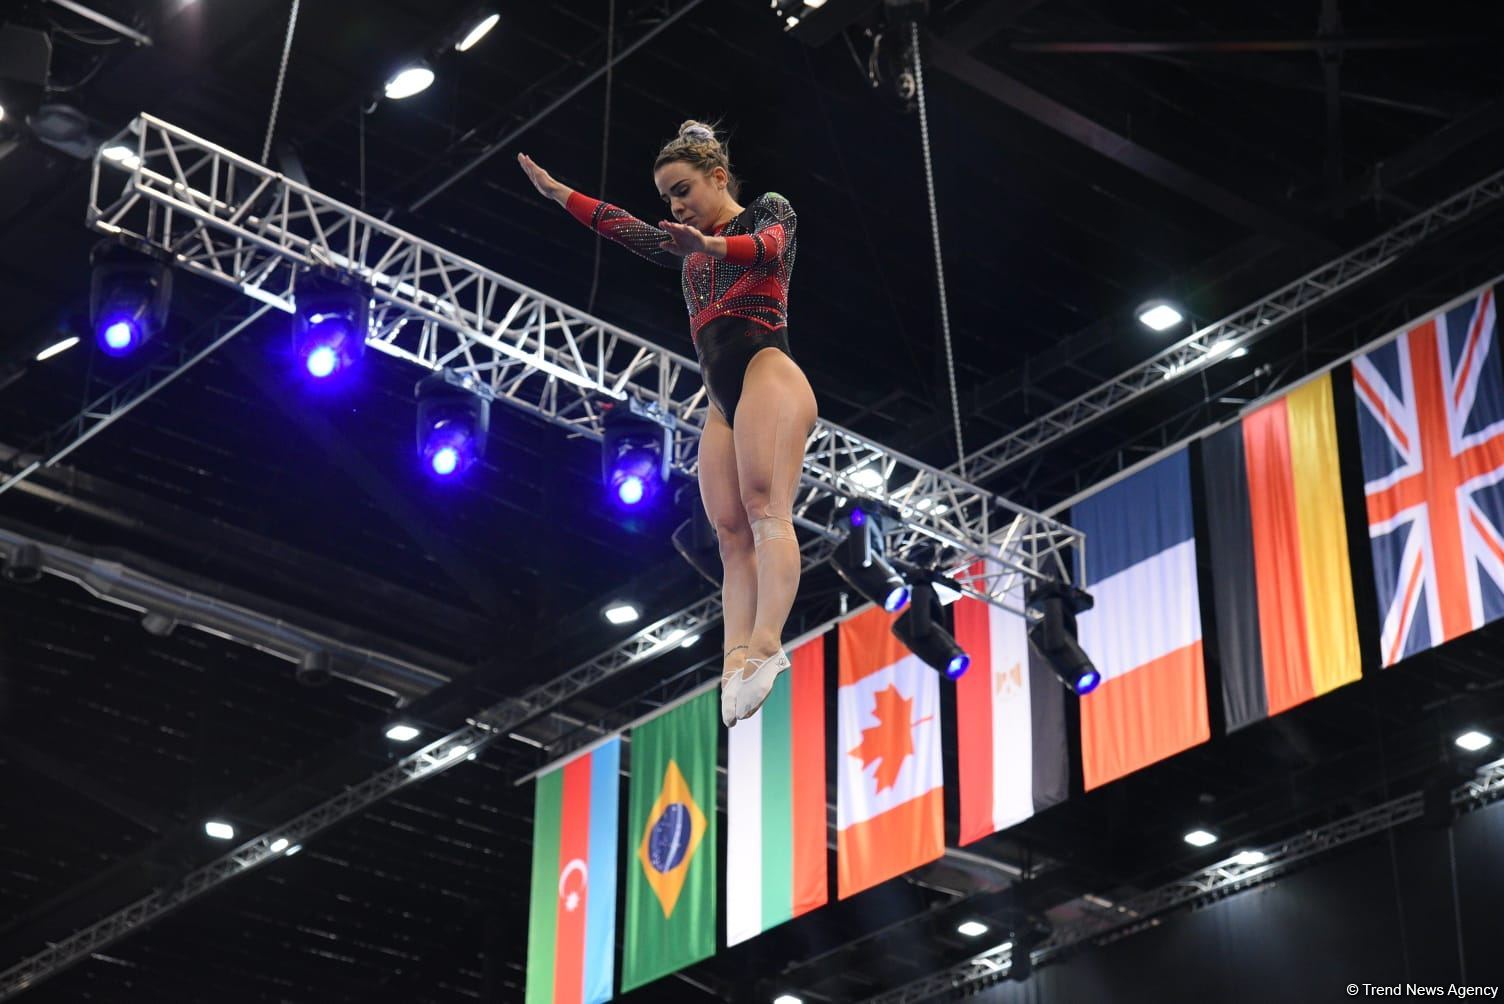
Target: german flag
[1283, 589]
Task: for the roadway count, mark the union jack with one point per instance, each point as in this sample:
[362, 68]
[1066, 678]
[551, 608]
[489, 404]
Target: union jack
[1431, 427]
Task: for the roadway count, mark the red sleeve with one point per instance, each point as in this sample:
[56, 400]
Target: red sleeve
[754, 249]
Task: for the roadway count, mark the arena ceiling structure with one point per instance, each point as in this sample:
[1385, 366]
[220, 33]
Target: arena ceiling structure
[1088, 157]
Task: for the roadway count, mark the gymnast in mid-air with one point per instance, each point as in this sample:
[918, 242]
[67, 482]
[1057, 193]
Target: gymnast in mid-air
[734, 266]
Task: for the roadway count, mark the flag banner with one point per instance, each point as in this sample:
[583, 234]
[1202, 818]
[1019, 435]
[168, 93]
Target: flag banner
[889, 800]
[776, 817]
[1286, 626]
[1010, 722]
[1431, 427]
[671, 904]
[1144, 633]
[571, 935]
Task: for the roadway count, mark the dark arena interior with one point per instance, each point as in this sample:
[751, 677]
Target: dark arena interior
[283, 684]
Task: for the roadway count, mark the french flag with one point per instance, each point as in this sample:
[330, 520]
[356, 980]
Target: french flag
[1144, 632]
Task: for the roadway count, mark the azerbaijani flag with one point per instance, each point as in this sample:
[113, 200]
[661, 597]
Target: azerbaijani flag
[1010, 722]
[776, 825]
[1286, 626]
[572, 918]
[889, 797]
[670, 920]
[1144, 633]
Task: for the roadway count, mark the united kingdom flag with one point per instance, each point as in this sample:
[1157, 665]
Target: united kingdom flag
[1431, 426]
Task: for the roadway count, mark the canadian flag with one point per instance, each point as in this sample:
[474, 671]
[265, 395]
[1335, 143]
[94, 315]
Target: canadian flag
[890, 811]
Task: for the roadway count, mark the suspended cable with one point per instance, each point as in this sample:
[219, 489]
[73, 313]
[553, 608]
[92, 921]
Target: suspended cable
[929, 186]
[271, 125]
[595, 271]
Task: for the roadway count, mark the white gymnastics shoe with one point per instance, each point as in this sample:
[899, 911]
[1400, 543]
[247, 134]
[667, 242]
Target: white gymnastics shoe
[756, 687]
[731, 685]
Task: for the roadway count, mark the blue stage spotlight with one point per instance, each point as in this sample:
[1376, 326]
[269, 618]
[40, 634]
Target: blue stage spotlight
[922, 630]
[859, 560]
[453, 422]
[129, 295]
[1053, 635]
[333, 316]
[636, 450]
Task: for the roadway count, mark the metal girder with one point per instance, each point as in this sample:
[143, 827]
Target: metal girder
[124, 396]
[229, 219]
[1215, 341]
[1221, 879]
[1051, 113]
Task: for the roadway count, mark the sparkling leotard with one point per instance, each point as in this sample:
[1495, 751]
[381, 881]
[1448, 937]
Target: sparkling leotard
[737, 305]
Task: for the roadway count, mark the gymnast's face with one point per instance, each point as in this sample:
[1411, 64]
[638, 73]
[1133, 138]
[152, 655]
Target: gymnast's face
[694, 197]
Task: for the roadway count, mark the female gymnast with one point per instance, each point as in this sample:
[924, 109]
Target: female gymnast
[734, 266]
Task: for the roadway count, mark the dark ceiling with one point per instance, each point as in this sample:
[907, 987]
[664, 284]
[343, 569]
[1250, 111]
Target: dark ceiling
[1088, 155]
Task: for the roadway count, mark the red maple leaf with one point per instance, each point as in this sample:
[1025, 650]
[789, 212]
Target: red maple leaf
[891, 741]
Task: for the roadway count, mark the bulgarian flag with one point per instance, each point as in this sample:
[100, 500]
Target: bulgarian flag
[572, 920]
[776, 844]
[890, 804]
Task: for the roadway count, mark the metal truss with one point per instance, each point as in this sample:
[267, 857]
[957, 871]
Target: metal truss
[1209, 884]
[124, 396]
[236, 222]
[271, 845]
[1243, 328]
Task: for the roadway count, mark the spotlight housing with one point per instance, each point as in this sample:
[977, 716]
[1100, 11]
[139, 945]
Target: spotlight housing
[130, 292]
[333, 317]
[316, 668]
[636, 449]
[860, 561]
[620, 612]
[157, 625]
[695, 538]
[922, 631]
[453, 423]
[1053, 636]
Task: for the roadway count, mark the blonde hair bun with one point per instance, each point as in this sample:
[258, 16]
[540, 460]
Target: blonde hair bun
[692, 129]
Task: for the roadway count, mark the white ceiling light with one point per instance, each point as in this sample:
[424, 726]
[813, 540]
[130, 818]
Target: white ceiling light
[787, 999]
[1200, 838]
[477, 33]
[690, 641]
[621, 613]
[295, 848]
[1250, 858]
[54, 349]
[279, 845]
[409, 80]
[867, 477]
[1159, 315]
[972, 929]
[1473, 740]
[219, 830]
[402, 733]
[814, 4]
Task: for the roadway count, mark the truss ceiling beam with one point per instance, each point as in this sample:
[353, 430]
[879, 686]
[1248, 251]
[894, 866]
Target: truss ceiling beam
[241, 224]
[1050, 113]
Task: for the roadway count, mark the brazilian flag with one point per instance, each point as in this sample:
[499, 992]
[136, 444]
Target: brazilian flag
[671, 833]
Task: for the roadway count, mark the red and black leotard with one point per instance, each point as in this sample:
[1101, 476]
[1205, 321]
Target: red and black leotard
[738, 305]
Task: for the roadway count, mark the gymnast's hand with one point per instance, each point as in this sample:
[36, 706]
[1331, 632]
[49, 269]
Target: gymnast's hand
[543, 181]
[682, 239]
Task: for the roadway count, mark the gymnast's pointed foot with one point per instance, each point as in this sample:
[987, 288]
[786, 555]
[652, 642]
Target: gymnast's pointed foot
[731, 683]
[757, 679]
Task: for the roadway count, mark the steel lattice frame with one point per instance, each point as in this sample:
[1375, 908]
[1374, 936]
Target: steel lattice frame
[241, 224]
[1215, 341]
[1221, 879]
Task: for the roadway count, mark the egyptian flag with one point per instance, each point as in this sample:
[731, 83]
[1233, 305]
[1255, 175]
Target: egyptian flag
[671, 888]
[1286, 626]
[572, 920]
[889, 801]
[775, 790]
[1010, 723]
[1144, 633]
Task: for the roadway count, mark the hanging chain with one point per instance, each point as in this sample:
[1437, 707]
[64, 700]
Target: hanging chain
[929, 185]
[271, 125]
